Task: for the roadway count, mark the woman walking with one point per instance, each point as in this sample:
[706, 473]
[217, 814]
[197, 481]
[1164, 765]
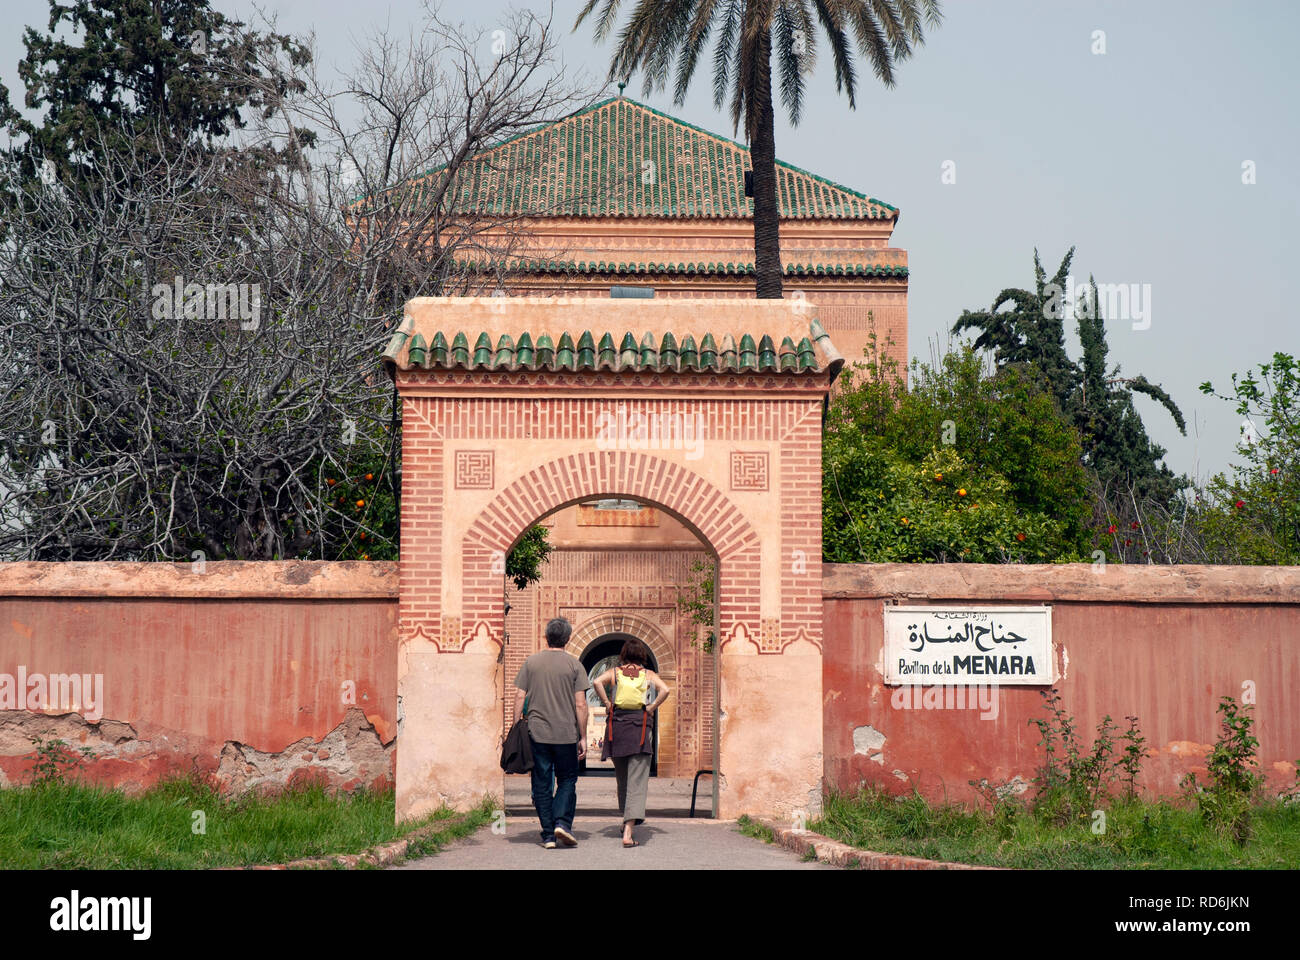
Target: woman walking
[629, 732]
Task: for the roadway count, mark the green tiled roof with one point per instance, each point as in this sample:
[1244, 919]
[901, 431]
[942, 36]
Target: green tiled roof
[739, 269]
[621, 158]
[611, 352]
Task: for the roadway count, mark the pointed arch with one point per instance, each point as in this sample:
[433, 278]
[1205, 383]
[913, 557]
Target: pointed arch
[595, 474]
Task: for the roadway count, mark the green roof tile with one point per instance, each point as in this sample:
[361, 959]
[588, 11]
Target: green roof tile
[439, 350]
[545, 353]
[460, 349]
[418, 350]
[668, 352]
[807, 355]
[586, 351]
[748, 355]
[524, 350]
[666, 356]
[649, 356]
[505, 355]
[789, 359]
[564, 358]
[690, 357]
[708, 353]
[606, 355]
[627, 355]
[728, 355]
[795, 270]
[589, 164]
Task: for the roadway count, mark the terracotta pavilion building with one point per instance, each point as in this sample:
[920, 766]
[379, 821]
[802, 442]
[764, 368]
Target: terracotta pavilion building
[634, 198]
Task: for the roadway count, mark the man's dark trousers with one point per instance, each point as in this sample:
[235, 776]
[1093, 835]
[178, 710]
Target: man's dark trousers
[555, 768]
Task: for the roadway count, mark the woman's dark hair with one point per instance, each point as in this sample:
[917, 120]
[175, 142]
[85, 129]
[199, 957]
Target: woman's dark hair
[634, 651]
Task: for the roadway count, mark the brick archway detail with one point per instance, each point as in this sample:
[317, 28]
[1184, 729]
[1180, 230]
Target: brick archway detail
[719, 426]
[592, 630]
[559, 483]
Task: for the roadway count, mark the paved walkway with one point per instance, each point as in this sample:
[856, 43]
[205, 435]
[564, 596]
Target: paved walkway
[669, 844]
[598, 796]
[670, 840]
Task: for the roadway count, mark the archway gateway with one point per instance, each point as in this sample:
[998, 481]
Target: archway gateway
[515, 407]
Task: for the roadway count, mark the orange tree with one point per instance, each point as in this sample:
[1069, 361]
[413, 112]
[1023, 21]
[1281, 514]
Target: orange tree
[968, 464]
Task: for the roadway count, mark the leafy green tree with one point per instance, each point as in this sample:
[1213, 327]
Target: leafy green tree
[967, 464]
[524, 561]
[1257, 508]
[1028, 327]
[133, 75]
[747, 36]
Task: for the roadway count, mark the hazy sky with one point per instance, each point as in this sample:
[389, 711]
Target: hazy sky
[1134, 155]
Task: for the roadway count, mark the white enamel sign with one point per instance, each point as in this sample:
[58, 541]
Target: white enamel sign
[969, 645]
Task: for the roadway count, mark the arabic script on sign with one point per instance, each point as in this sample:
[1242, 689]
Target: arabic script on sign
[988, 645]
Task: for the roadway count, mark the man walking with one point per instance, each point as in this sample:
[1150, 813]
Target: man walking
[554, 685]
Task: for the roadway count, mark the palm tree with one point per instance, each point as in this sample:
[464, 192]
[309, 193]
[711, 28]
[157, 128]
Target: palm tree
[748, 34]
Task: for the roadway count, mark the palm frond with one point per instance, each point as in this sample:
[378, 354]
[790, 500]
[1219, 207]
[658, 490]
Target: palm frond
[634, 40]
[672, 25]
[697, 38]
[832, 21]
[871, 40]
[604, 22]
[790, 62]
[892, 16]
[724, 51]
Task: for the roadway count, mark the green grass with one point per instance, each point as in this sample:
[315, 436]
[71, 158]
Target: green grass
[75, 826]
[752, 828]
[1139, 835]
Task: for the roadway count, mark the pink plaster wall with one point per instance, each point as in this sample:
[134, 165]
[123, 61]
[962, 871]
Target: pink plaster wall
[225, 671]
[1161, 643]
[218, 669]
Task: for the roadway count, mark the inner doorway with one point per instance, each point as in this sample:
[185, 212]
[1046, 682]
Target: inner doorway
[622, 569]
[602, 655]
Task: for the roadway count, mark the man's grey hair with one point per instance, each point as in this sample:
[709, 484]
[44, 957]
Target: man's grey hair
[558, 632]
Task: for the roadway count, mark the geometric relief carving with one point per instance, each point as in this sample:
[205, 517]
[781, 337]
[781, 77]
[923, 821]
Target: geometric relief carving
[740, 634]
[766, 639]
[749, 470]
[475, 469]
[452, 641]
[421, 630]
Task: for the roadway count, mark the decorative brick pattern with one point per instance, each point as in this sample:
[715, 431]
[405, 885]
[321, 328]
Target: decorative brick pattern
[542, 431]
[801, 530]
[749, 470]
[475, 469]
[588, 628]
[601, 473]
[632, 591]
[420, 572]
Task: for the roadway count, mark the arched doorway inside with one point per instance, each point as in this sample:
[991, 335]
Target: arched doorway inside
[601, 655]
[616, 573]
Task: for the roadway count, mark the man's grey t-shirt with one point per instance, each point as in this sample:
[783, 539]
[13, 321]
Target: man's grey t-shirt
[552, 677]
